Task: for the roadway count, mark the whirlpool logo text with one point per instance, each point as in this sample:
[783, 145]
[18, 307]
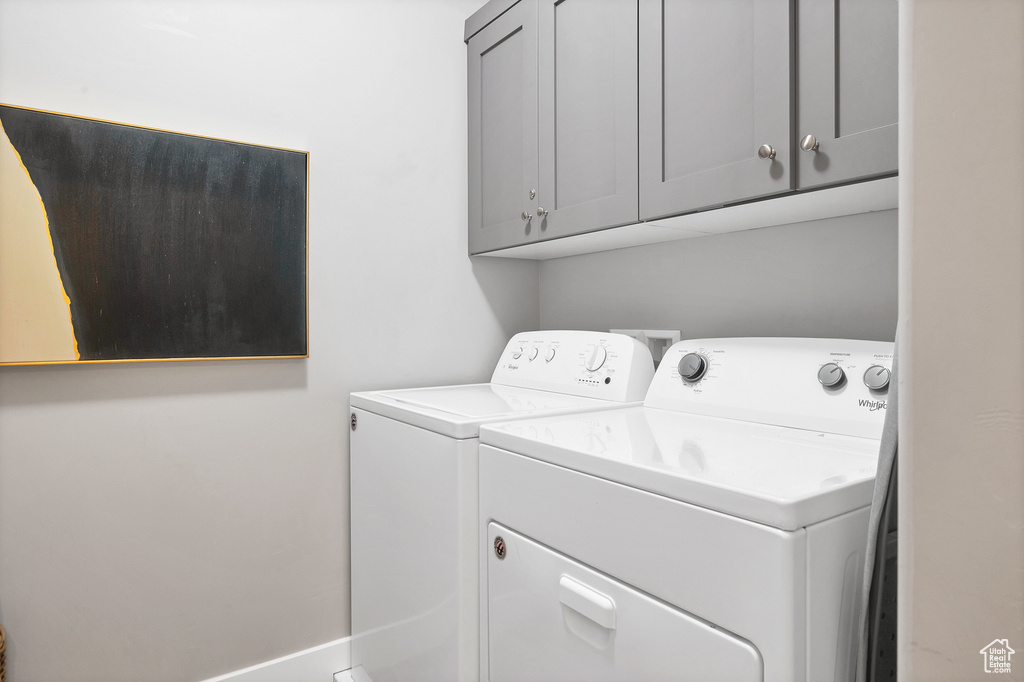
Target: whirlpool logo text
[873, 404]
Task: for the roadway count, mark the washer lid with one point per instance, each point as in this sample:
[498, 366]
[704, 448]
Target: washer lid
[458, 411]
[782, 477]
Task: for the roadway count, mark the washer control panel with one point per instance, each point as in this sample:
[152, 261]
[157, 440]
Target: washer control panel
[592, 364]
[829, 385]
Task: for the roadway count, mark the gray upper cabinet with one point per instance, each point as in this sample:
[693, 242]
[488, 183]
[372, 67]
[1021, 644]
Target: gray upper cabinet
[588, 115]
[715, 84]
[553, 145]
[503, 130]
[593, 114]
[846, 90]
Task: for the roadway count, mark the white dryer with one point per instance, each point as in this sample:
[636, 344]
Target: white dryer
[413, 487]
[715, 533]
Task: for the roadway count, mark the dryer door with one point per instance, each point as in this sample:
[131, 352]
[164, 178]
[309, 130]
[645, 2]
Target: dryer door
[552, 619]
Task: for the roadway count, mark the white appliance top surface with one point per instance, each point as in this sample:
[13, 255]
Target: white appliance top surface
[783, 477]
[458, 411]
[486, 401]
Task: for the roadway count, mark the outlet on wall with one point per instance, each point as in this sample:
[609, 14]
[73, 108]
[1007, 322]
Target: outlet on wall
[658, 340]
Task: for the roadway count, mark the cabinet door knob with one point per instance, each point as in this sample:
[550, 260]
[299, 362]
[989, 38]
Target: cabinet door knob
[809, 143]
[766, 151]
[526, 216]
[541, 212]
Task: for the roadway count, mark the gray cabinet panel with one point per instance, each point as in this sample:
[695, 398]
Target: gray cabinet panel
[503, 130]
[847, 89]
[588, 156]
[707, 65]
[715, 84]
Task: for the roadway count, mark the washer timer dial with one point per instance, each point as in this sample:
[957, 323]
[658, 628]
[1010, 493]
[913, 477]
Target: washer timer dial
[596, 358]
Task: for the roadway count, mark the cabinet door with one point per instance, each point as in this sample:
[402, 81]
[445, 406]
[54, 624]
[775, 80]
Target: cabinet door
[503, 130]
[587, 103]
[715, 85]
[847, 89]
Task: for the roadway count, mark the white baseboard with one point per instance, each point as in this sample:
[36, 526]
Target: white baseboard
[318, 664]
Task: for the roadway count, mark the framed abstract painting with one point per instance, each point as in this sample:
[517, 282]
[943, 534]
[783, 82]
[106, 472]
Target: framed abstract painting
[124, 243]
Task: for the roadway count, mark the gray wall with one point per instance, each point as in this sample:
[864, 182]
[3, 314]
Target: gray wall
[175, 521]
[829, 278]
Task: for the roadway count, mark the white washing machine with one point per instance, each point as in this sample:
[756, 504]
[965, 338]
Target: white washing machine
[716, 533]
[414, 494]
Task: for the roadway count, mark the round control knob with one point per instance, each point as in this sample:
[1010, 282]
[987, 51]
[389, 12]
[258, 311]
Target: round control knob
[596, 359]
[876, 378]
[831, 375]
[517, 353]
[692, 367]
[533, 354]
[549, 355]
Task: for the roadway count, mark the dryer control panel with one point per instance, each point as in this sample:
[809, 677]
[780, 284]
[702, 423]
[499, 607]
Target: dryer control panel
[829, 385]
[590, 364]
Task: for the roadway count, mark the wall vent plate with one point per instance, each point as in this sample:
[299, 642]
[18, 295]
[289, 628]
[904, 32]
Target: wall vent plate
[658, 340]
